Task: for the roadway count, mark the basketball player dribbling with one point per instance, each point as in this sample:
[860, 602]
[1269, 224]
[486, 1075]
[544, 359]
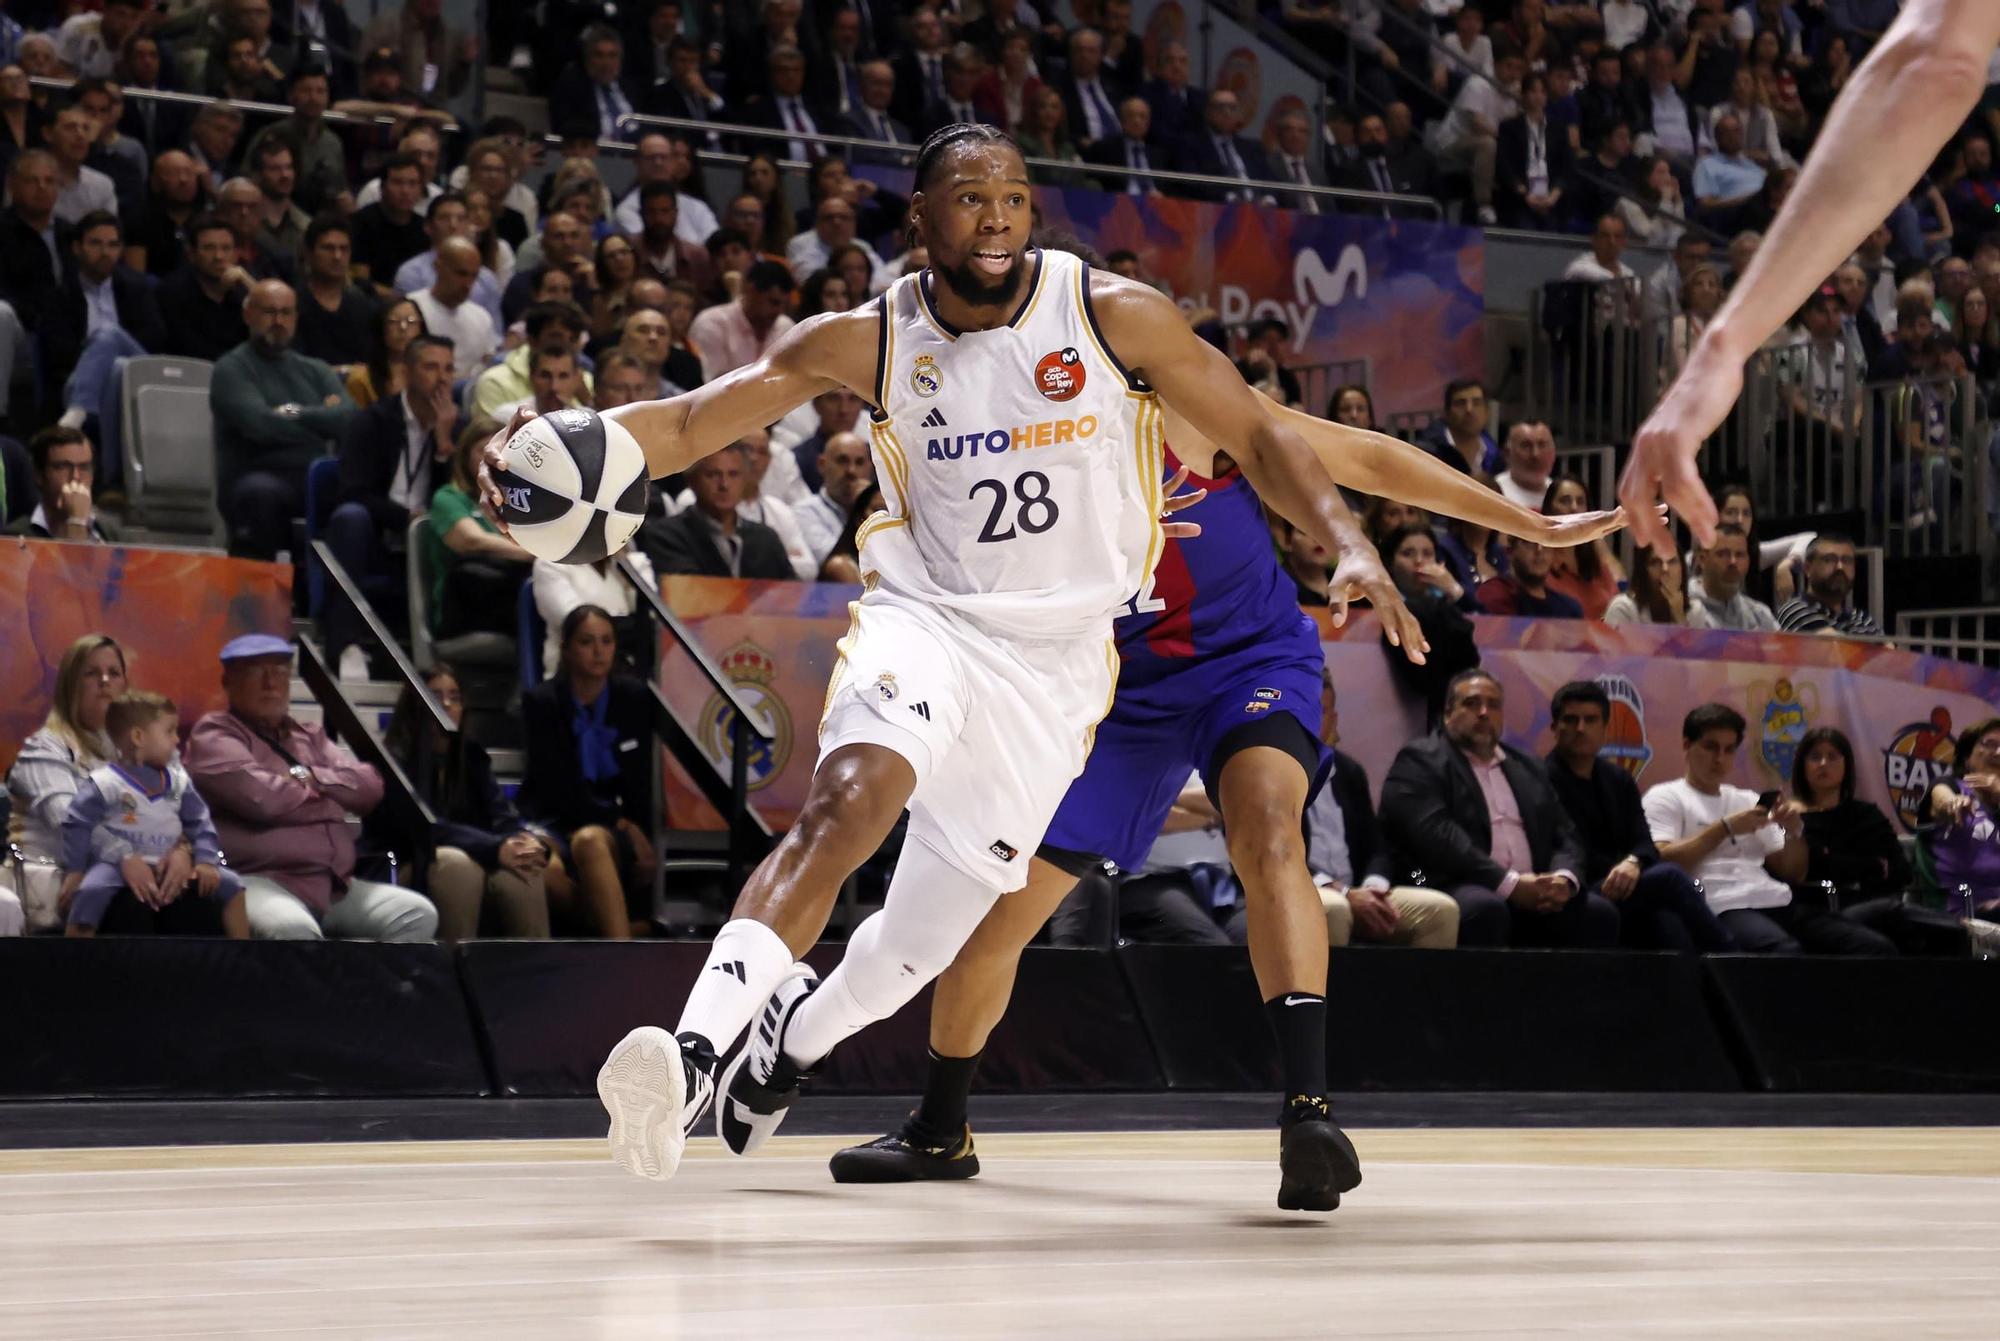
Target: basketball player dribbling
[1220, 673]
[979, 660]
[1902, 104]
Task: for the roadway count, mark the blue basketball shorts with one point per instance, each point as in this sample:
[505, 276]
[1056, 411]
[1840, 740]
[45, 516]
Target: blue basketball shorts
[1191, 719]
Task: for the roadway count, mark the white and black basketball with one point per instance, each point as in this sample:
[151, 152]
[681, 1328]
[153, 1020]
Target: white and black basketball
[574, 485]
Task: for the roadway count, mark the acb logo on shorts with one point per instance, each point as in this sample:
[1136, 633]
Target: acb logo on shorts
[1059, 376]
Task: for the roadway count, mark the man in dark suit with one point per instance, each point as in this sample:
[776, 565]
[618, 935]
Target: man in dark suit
[708, 539]
[1350, 861]
[1133, 147]
[1484, 825]
[1379, 166]
[1660, 907]
[1216, 150]
[920, 70]
[30, 256]
[784, 106]
[685, 92]
[393, 456]
[1090, 99]
[1177, 105]
[1532, 163]
[963, 65]
[103, 312]
[594, 90]
[1298, 160]
[63, 466]
[870, 119]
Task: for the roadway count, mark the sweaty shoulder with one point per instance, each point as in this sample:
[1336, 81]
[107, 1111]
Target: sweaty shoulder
[839, 346]
[1131, 314]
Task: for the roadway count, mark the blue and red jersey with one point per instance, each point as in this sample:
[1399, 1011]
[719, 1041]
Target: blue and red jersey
[1217, 594]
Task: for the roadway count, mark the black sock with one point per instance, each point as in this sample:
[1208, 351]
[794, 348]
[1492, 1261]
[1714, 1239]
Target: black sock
[947, 1088]
[1299, 1018]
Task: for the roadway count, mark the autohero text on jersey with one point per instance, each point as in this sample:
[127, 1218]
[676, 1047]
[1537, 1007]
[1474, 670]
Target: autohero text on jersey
[994, 442]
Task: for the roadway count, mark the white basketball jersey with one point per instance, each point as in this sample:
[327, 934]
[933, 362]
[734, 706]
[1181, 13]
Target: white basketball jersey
[1020, 465]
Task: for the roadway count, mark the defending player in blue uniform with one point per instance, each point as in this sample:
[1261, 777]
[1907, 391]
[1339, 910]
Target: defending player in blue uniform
[1220, 673]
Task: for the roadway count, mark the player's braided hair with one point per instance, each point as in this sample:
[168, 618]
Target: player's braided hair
[944, 138]
[941, 142]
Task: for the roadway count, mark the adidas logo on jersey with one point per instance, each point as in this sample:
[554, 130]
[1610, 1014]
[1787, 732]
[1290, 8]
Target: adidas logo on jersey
[922, 710]
[732, 967]
[935, 419]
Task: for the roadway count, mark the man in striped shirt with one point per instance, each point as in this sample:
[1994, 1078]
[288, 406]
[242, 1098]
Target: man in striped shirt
[1823, 606]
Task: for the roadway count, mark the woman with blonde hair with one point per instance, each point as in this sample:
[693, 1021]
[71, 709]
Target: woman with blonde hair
[51, 766]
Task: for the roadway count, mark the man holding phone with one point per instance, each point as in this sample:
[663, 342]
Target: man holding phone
[1747, 850]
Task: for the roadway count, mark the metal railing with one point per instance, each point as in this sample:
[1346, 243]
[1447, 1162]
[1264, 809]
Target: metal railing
[907, 153]
[749, 835]
[1970, 633]
[1592, 374]
[402, 813]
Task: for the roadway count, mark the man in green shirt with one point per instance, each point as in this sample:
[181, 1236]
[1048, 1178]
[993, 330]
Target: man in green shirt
[275, 412]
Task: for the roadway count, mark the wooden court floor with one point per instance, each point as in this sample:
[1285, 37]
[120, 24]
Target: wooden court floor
[1739, 1233]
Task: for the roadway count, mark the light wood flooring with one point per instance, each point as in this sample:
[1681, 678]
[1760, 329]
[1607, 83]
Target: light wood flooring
[1738, 1233]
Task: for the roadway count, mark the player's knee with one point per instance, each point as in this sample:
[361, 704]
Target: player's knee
[591, 840]
[842, 801]
[1266, 842]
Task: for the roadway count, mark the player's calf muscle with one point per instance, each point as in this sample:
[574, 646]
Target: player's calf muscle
[853, 803]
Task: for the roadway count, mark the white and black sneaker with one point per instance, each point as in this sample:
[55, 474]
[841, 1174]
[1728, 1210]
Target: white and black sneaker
[761, 1083]
[655, 1088]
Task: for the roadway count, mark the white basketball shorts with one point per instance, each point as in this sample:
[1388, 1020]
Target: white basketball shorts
[995, 728]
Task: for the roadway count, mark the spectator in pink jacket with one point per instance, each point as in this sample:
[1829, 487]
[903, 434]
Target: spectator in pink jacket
[281, 793]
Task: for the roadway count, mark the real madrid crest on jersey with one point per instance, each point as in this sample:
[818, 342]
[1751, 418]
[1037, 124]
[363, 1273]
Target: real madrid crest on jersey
[925, 378]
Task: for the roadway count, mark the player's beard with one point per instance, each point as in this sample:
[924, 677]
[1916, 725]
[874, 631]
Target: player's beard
[969, 286]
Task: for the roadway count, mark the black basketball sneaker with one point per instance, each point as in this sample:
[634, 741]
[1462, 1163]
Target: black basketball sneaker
[1316, 1161]
[906, 1156]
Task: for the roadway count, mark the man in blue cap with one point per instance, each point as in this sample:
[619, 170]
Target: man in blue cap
[281, 792]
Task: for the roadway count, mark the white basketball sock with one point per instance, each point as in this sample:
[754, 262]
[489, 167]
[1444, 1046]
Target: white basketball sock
[932, 909]
[744, 967]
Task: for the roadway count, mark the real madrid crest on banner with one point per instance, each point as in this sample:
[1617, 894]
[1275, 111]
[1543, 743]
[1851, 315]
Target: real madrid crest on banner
[753, 671]
[1920, 755]
[1783, 715]
[1625, 741]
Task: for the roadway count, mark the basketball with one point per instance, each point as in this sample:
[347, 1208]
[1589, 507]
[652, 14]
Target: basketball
[574, 485]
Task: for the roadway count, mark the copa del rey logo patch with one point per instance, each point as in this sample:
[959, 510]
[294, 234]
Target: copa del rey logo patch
[1059, 376]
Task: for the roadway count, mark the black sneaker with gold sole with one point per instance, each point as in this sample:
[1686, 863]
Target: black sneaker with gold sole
[904, 1156]
[1316, 1161]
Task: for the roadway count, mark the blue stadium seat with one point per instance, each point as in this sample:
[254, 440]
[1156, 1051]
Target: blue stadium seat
[532, 634]
[322, 485]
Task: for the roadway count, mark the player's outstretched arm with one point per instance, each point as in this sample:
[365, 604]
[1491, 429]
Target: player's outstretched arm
[1376, 463]
[1916, 87]
[1193, 378]
[833, 349]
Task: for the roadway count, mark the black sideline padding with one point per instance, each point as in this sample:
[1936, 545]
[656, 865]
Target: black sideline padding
[549, 1011]
[1443, 1020]
[196, 1017]
[1870, 1026]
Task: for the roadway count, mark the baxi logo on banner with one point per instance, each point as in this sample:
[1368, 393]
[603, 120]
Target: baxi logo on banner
[753, 670]
[1920, 755]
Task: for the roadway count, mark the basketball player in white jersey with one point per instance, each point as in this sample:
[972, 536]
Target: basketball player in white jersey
[1904, 102]
[1016, 435]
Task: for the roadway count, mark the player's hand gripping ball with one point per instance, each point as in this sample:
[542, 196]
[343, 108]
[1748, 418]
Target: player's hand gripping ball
[573, 486]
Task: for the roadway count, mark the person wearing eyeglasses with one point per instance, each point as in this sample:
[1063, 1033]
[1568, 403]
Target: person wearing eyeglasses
[64, 472]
